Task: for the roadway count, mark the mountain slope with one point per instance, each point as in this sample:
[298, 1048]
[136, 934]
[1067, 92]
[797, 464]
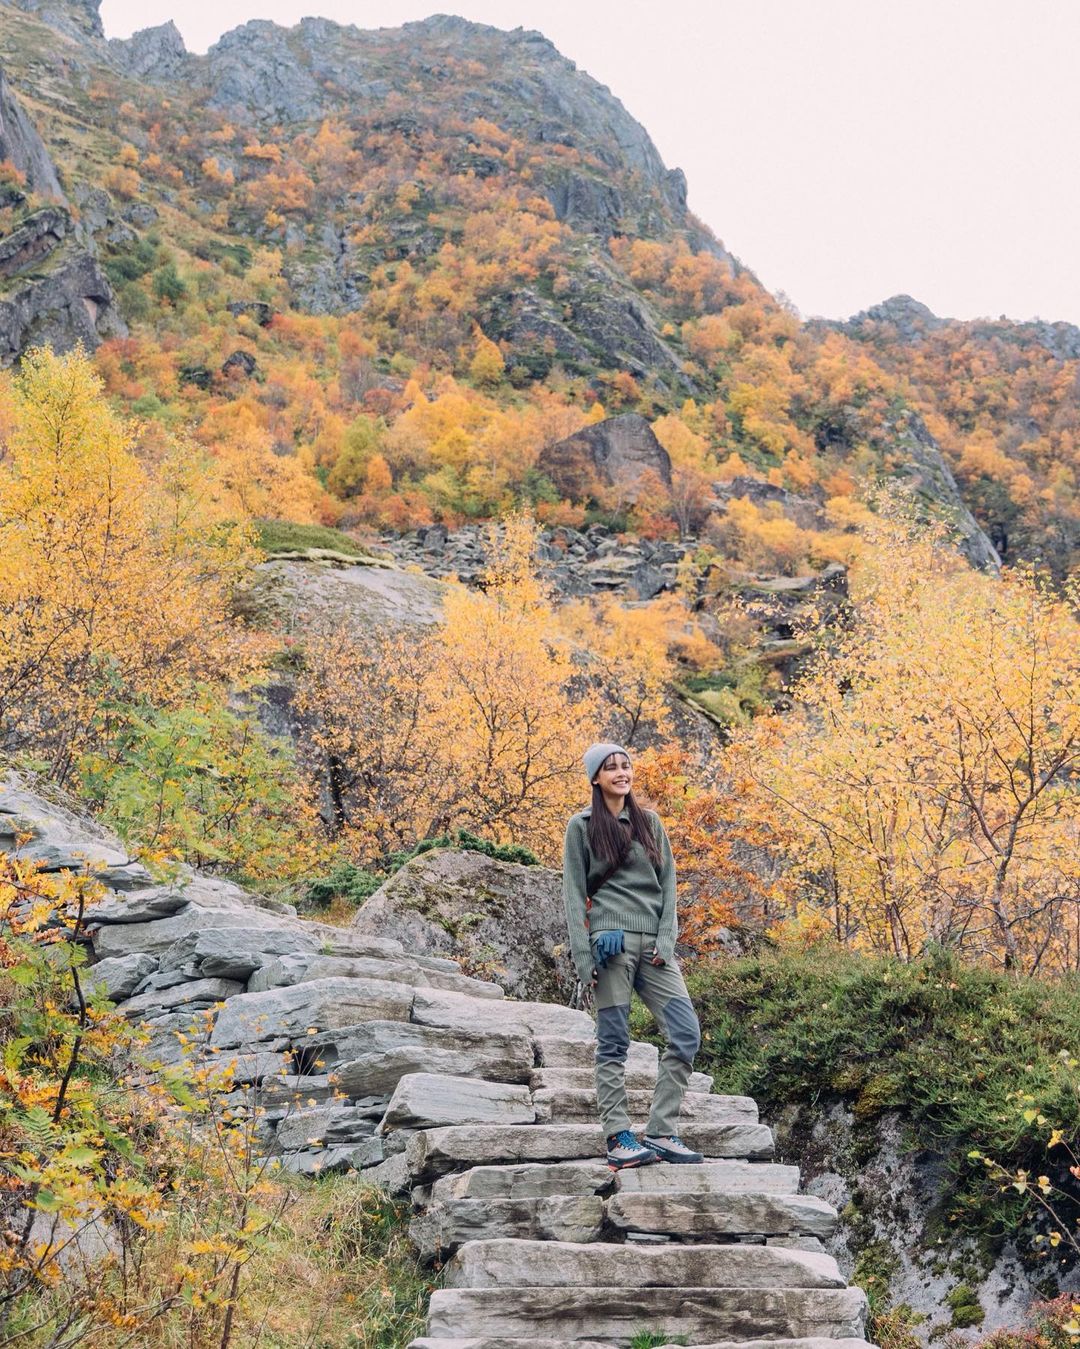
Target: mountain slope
[307, 228]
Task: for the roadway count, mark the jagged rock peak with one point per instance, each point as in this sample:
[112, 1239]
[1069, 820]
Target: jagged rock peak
[910, 316]
[21, 145]
[156, 53]
[77, 18]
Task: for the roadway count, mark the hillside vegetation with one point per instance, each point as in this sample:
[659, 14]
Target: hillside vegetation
[352, 283]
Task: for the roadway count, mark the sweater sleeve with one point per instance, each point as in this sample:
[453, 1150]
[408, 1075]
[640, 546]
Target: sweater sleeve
[575, 890]
[668, 928]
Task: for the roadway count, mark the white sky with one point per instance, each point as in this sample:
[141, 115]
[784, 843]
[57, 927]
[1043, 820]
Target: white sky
[846, 150]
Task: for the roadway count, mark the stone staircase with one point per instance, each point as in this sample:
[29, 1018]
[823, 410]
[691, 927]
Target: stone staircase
[479, 1107]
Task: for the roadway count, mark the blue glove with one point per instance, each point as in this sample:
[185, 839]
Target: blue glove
[605, 945]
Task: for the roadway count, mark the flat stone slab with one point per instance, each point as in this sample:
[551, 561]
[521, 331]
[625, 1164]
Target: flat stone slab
[433, 1152]
[345, 1043]
[565, 1219]
[558, 1105]
[382, 1072]
[121, 939]
[204, 992]
[324, 1126]
[718, 1177]
[699, 1313]
[547, 1264]
[501, 1342]
[318, 1005]
[513, 1342]
[233, 952]
[584, 1079]
[554, 1051]
[715, 1215]
[527, 1181]
[429, 1100]
[807, 1342]
[373, 1058]
[297, 968]
[434, 1007]
[140, 906]
[119, 976]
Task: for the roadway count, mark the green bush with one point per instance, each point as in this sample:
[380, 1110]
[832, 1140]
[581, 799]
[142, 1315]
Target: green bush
[352, 884]
[281, 536]
[942, 1042]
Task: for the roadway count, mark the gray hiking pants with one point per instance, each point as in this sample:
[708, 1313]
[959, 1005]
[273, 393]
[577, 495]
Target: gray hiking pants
[662, 990]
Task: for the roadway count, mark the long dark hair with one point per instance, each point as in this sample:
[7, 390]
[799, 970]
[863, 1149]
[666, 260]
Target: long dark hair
[610, 839]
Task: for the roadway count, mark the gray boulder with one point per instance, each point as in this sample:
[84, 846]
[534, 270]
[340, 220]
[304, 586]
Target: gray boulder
[156, 937]
[290, 1013]
[120, 976]
[497, 918]
[71, 303]
[191, 994]
[428, 1100]
[152, 54]
[611, 456]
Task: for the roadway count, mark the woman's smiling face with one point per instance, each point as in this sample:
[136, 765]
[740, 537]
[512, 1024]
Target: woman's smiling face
[616, 775]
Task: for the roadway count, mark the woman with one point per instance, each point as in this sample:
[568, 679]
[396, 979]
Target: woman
[619, 892]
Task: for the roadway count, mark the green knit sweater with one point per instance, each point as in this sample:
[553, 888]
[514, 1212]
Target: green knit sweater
[636, 898]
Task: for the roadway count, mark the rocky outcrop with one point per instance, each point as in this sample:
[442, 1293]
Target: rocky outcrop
[72, 303]
[904, 318]
[21, 145]
[36, 236]
[77, 18]
[486, 914]
[915, 457]
[52, 290]
[153, 54]
[608, 458]
[892, 1197]
[908, 321]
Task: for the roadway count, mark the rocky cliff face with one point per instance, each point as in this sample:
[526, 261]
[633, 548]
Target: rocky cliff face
[52, 290]
[904, 320]
[22, 147]
[77, 18]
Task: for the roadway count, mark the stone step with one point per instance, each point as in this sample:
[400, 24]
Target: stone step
[720, 1215]
[699, 1313]
[513, 1342]
[719, 1177]
[584, 1079]
[430, 1100]
[434, 1007]
[442, 1228]
[501, 1342]
[445, 1225]
[554, 1051]
[298, 967]
[528, 1181]
[371, 1058]
[593, 1176]
[554, 1264]
[560, 1105]
[434, 1152]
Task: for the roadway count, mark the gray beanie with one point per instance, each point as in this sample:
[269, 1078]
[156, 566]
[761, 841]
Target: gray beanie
[596, 754]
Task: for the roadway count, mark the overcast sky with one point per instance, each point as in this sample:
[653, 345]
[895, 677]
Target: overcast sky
[846, 150]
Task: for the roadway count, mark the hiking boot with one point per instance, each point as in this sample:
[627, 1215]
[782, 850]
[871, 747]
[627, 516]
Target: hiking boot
[671, 1148]
[623, 1150]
